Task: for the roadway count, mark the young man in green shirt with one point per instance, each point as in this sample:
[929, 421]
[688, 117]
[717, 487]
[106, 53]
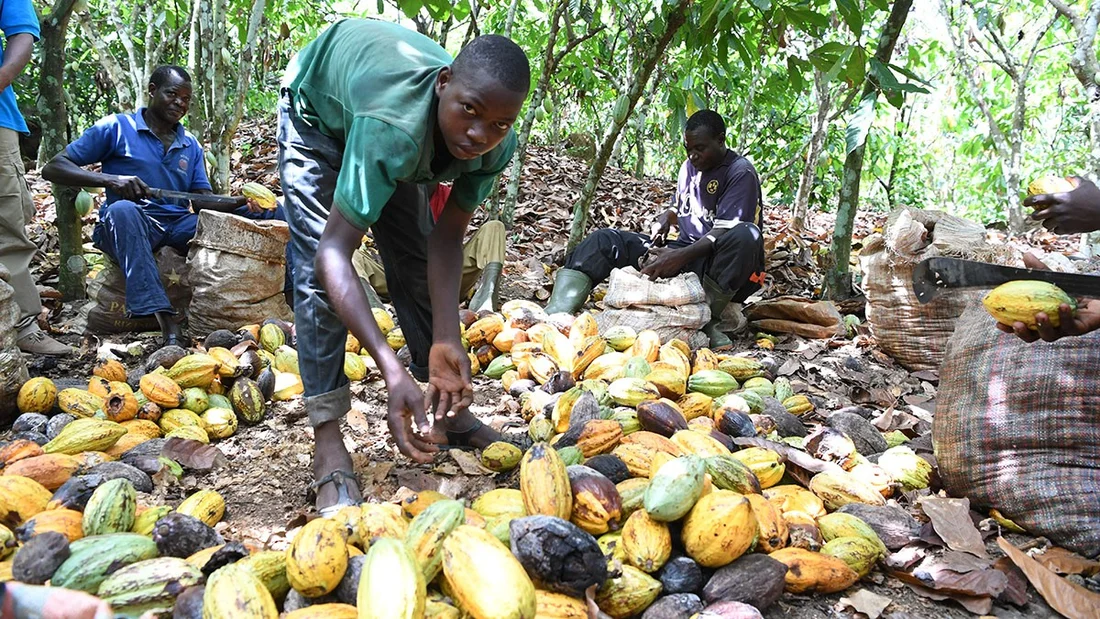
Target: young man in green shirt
[371, 115]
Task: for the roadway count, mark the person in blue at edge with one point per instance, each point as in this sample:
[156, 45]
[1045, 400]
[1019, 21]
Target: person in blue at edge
[148, 148]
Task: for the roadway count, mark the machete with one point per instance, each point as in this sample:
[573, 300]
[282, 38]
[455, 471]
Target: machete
[934, 275]
[198, 197]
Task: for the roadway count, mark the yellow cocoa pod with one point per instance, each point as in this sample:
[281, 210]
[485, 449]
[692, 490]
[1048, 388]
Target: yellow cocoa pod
[772, 533]
[484, 577]
[500, 502]
[79, 403]
[391, 584]
[420, 501]
[194, 370]
[792, 498]
[629, 594]
[67, 522]
[191, 433]
[261, 195]
[377, 520]
[646, 542]
[37, 395]
[813, 572]
[764, 463]
[206, 505]
[620, 337]
[550, 605]
[109, 369]
[85, 435]
[719, 528]
[146, 520]
[501, 456]
[21, 498]
[233, 591]
[544, 483]
[647, 345]
[161, 390]
[1019, 301]
[1049, 184]
[839, 488]
[332, 610]
[317, 558]
[270, 567]
[608, 367]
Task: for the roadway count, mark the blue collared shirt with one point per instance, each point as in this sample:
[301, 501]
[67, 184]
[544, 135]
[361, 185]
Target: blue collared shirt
[16, 17]
[126, 146]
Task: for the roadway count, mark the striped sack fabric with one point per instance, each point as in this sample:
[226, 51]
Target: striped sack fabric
[1017, 428]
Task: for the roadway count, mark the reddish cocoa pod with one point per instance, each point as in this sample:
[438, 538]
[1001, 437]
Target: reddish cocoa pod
[674, 606]
[730, 610]
[753, 579]
[660, 418]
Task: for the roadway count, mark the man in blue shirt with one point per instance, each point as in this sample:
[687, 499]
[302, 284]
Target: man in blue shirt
[20, 26]
[149, 148]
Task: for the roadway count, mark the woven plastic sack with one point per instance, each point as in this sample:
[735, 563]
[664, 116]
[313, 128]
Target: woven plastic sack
[674, 308]
[106, 310]
[237, 272]
[916, 335]
[1016, 429]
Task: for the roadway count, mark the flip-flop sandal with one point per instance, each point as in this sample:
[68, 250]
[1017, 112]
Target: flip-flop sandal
[458, 440]
[341, 478]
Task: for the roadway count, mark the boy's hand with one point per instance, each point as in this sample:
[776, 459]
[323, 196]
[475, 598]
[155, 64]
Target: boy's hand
[405, 402]
[450, 388]
[1086, 320]
[1069, 212]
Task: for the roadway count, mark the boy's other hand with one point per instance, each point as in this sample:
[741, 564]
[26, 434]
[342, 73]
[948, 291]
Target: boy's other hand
[1068, 212]
[406, 407]
[450, 388]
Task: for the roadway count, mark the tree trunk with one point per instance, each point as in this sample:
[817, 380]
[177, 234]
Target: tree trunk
[549, 66]
[654, 53]
[838, 279]
[511, 19]
[54, 117]
[820, 125]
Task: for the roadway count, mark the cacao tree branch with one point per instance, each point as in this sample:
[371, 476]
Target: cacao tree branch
[244, 73]
[107, 60]
[127, 43]
[1000, 141]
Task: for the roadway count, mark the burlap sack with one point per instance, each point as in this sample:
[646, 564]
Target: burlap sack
[13, 369]
[106, 310]
[237, 272]
[674, 308]
[805, 317]
[1016, 429]
[916, 335]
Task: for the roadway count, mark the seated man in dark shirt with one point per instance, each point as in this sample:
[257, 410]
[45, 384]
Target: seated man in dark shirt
[718, 210]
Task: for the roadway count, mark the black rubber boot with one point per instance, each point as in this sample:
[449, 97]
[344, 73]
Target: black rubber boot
[487, 295]
[571, 289]
[717, 299]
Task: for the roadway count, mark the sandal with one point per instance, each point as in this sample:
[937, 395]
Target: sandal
[341, 478]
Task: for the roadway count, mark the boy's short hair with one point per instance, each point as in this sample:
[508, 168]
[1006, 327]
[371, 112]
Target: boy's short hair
[499, 58]
[708, 119]
[160, 74]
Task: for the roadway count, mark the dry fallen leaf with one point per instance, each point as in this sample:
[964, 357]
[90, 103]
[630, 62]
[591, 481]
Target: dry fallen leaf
[469, 463]
[951, 520]
[1062, 561]
[866, 602]
[1071, 600]
[193, 454]
[976, 605]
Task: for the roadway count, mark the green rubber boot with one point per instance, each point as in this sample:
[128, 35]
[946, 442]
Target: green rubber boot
[571, 289]
[717, 299]
[487, 295]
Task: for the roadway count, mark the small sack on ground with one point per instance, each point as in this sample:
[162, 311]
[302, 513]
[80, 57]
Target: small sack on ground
[1017, 429]
[237, 267]
[106, 310]
[674, 308]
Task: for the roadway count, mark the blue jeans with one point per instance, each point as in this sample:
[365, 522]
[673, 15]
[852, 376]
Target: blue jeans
[309, 164]
[130, 233]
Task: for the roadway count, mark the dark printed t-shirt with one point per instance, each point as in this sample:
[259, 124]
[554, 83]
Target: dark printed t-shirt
[718, 198]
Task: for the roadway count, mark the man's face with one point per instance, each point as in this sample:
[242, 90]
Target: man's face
[475, 112]
[704, 151]
[171, 100]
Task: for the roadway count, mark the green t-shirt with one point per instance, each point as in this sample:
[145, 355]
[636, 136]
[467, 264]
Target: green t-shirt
[371, 85]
